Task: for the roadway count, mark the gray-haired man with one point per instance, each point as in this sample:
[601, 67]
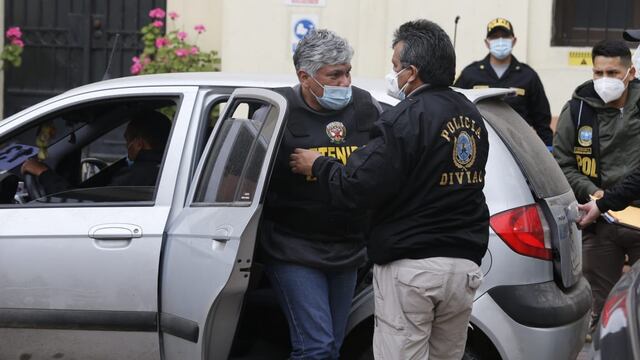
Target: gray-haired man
[312, 250]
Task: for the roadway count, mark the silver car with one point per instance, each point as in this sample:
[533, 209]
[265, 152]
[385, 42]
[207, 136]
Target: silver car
[170, 271]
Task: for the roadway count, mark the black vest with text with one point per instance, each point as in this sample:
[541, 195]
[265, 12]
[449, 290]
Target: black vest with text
[586, 145]
[301, 226]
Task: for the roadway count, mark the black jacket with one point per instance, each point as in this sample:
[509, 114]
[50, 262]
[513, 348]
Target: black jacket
[622, 194]
[298, 225]
[530, 102]
[143, 172]
[422, 174]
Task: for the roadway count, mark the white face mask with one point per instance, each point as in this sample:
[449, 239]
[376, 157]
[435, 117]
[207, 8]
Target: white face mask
[610, 89]
[636, 62]
[393, 89]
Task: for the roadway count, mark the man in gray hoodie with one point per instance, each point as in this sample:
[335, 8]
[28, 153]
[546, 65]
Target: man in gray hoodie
[596, 145]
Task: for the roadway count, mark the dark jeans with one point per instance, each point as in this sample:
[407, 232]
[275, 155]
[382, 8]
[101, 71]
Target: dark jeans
[603, 254]
[316, 304]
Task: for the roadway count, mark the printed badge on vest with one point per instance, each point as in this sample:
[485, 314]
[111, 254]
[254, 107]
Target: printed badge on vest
[336, 131]
[585, 135]
[464, 150]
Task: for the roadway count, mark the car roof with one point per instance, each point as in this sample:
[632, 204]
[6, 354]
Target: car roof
[377, 87]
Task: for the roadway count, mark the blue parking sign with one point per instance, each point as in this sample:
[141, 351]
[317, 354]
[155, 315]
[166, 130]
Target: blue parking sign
[302, 27]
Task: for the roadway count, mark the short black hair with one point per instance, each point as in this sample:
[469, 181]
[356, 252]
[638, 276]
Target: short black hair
[151, 126]
[612, 48]
[427, 47]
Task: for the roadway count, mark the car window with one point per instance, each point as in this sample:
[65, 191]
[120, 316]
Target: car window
[208, 123]
[532, 156]
[84, 151]
[103, 152]
[233, 164]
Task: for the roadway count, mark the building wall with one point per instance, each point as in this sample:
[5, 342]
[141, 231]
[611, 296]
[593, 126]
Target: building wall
[255, 35]
[206, 12]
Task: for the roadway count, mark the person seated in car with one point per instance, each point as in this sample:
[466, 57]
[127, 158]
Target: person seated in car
[146, 136]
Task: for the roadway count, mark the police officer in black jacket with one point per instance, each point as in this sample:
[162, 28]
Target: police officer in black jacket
[625, 192]
[422, 176]
[501, 69]
[312, 249]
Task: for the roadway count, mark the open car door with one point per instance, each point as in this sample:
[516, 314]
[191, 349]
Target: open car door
[209, 245]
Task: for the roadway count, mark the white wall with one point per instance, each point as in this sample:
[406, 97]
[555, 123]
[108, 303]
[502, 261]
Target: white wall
[551, 63]
[194, 12]
[254, 35]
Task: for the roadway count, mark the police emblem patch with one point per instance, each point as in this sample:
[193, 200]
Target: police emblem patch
[464, 150]
[585, 135]
[336, 131]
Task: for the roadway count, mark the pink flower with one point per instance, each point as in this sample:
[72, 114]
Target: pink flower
[136, 67]
[182, 52]
[14, 32]
[17, 42]
[161, 42]
[182, 35]
[158, 23]
[157, 13]
[146, 60]
[173, 15]
[200, 28]
[194, 50]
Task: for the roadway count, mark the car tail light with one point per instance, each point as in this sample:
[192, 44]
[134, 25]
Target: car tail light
[614, 311]
[525, 230]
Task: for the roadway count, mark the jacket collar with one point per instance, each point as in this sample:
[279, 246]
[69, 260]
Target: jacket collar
[515, 65]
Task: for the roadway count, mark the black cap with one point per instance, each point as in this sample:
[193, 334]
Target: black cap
[631, 35]
[499, 24]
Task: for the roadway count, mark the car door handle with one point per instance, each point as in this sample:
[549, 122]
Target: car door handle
[222, 234]
[115, 231]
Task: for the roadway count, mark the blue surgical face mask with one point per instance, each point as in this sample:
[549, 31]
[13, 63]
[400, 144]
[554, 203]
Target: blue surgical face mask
[334, 97]
[500, 48]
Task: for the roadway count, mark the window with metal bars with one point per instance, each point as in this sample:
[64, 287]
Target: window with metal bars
[585, 22]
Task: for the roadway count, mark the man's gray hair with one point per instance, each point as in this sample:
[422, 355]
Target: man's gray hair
[319, 48]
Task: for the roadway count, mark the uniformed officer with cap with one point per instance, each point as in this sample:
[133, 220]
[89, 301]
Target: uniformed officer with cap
[501, 69]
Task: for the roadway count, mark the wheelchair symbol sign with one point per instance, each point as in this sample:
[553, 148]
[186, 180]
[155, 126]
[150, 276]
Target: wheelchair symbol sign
[302, 27]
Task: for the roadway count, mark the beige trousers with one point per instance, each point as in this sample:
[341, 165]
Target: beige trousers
[422, 308]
